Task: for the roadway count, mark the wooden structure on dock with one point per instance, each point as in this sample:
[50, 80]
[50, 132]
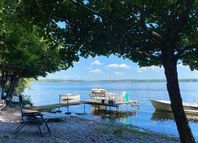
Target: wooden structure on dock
[102, 98]
[97, 105]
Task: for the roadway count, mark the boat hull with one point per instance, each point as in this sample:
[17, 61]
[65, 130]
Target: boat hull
[159, 105]
[163, 105]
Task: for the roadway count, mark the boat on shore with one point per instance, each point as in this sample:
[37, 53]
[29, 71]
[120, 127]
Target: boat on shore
[164, 105]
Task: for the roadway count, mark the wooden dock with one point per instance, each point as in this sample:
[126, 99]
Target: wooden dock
[53, 106]
[94, 103]
[133, 103]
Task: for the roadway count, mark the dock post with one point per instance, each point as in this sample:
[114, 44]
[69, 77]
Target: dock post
[67, 106]
[138, 103]
[117, 109]
[59, 103]
[84, 108]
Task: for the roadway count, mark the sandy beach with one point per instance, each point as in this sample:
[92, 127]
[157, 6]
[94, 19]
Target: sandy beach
[73, 129]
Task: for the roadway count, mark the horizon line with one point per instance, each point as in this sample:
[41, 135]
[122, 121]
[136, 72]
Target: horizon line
[80, 80]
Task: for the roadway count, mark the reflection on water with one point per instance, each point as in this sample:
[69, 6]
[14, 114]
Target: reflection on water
[123, 117]
[163, 115]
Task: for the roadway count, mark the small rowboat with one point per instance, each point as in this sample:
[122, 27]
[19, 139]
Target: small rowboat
[164, 105]
[69, 98]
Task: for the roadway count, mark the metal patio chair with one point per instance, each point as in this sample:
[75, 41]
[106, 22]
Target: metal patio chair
[33, 117]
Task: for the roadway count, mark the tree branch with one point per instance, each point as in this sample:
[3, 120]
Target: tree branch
[190, 48]
[150, 32]
[132, 48]
[124, 31]
[154, 34]
[181, 20]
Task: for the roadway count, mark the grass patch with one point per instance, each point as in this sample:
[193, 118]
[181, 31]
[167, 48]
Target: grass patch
[47, 109]
[168, 137]
[120, 130]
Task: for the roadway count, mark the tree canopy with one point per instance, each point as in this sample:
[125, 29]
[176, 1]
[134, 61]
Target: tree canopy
[138, 30]
[25, 51]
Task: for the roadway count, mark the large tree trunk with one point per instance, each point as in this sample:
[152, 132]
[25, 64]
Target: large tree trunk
[1, 84]
[176, 102]
[13, 84]
[3, 81]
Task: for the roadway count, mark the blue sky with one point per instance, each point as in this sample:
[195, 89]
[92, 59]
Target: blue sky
[114, 68]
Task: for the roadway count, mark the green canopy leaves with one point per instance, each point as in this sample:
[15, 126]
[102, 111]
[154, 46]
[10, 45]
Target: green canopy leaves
[138, 30]
[25, 50]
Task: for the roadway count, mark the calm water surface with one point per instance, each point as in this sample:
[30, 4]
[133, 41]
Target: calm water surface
[43, 93]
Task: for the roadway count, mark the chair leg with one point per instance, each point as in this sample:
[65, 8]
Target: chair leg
[45, 122]
[38, 124]
[47, 127]
[19, 127]
[39, 129]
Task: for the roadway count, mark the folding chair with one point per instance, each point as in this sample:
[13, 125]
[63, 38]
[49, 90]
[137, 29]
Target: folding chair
[29, 116]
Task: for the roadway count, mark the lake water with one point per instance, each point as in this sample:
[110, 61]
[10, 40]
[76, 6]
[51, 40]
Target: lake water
[145, 117]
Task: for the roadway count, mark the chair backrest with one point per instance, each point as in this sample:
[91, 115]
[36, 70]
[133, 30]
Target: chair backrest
[2, 101]
[2, 104]
[21, 105]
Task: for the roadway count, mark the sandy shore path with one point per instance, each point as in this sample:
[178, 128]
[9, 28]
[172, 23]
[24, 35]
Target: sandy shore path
[74, 130]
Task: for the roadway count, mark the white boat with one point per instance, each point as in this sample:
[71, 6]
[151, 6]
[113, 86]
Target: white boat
[69, 98]
[99, 95]
[102, 95]
[165, 105]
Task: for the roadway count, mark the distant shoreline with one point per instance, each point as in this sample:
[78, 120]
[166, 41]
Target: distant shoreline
[123, 80]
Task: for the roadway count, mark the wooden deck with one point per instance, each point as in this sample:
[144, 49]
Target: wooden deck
[58, 105]
[53, 106]
[133, 103]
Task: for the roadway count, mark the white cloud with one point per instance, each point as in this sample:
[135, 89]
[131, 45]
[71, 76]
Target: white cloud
[95, 57]
[96, 62]
[96, 71]
[118, 73]
[57, 75]
[180, 65]
[77, 62]
[118, 66]
[153, 68]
